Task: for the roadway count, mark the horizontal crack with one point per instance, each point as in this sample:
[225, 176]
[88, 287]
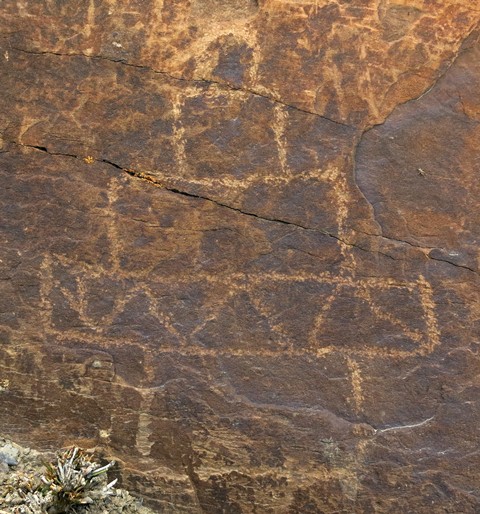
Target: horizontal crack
[423, 249]
[194, 80]
[395, 240]
[151, 180]
[453, 264]
[43, 149]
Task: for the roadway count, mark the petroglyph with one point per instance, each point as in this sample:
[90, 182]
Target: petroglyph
[135, 296]
[279, 127]
[356, 379]
[112, 225]
[205, 288]
[179, 132]
[364, 289]
[143, 440]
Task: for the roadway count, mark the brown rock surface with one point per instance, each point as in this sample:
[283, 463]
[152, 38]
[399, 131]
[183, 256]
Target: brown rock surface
[240, 248]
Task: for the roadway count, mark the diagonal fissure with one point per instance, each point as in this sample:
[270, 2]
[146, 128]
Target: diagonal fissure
[147, 178]
[194, 80]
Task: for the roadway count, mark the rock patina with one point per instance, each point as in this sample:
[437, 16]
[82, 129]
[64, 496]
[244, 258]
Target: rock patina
[239, 248]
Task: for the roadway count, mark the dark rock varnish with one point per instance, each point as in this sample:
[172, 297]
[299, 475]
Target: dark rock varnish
[239, 249]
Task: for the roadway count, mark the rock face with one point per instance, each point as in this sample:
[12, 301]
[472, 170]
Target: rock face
[240, 248]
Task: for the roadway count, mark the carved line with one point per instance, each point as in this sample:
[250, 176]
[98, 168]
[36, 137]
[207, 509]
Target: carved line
[199, 351]
[359, 288]
[239, 278]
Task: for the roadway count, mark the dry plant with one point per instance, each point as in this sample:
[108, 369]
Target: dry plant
[70, 485]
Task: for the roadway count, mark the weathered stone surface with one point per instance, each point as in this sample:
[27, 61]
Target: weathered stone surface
[240, 248]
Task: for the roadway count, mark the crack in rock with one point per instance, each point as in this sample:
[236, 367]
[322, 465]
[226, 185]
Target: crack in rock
[453, 264]
[152, 181]
[194, 80]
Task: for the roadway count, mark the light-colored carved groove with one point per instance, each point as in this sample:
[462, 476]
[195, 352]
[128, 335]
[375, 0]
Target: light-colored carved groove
[179, 142]
[280, 122]
[112, 232]
[361, 288]
[356, 381]
[428, 304]
[143, 440]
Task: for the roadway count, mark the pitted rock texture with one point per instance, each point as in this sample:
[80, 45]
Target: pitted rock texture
[240, 248]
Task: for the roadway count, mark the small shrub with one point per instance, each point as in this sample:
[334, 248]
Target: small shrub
[68, 485]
